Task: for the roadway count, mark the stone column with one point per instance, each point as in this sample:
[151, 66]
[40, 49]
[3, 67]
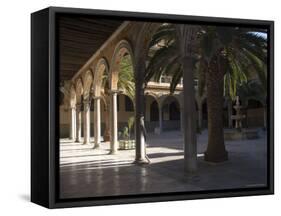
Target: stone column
[72, 123]
[113, 123]
[186, 38]
[200, 116]
[160, 120]
[78, 123]
[86, 119]
[141, 157]
[182, 119]
[97, 121]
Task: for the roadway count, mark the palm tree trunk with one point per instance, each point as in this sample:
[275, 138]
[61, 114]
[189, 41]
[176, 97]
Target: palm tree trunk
[216, 149]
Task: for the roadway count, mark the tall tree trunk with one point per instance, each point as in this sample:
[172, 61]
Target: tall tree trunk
[216, 149]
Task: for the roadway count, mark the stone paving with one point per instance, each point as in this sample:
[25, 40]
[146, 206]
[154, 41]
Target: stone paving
[88, 172]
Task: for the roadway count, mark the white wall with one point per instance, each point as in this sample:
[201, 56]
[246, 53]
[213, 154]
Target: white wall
[15, 107]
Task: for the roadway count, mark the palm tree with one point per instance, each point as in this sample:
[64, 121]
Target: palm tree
[220, 50]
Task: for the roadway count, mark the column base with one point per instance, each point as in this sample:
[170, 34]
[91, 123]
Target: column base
[86, 143]
[141, 161]
[96, 146]
[190, 165]
[77, 141]
[113, 152]
[215, 157]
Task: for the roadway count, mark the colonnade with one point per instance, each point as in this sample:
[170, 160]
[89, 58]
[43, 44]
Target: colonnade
[144, 32]
[76, 122]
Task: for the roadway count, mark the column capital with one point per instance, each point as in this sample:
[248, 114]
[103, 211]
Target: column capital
[188, 42]
[112, 92]
[78, 106]
[97, 97]
[86, 101]
[73, 106]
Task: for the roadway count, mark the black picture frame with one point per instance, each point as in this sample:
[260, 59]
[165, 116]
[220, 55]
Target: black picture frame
[44, 109]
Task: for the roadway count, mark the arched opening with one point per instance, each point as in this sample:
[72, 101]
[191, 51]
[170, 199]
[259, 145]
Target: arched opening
[121, 70]
[101, 102]
[151, 113]
[121, 82]
[125, 114]
[171, 113]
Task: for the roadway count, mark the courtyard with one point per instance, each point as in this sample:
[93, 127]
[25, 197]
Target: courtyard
[89, 172]
[175, 92]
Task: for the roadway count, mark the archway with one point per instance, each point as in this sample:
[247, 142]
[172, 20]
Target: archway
[171, 113]
[101, 92]
[121, 80]
[126, 113]
[151, 113]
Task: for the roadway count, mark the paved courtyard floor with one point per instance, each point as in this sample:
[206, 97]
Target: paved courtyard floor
[88, 172]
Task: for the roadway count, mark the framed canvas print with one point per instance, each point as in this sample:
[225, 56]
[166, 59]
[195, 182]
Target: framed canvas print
[138, 107]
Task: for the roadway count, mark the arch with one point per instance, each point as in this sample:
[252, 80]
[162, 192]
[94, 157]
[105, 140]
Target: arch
[163, 99]
[100, 69]
[150, 108]
[79, 90]
[122, 48]
[169, 102]
[154, 95]
[88, 81]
